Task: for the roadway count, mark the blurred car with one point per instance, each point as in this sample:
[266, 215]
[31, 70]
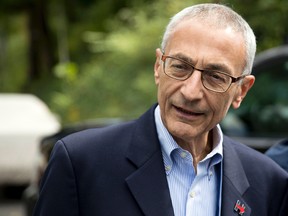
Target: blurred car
[25, 120]
[261, 120]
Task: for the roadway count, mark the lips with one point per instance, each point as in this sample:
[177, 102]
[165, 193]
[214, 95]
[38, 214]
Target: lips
[187, 112]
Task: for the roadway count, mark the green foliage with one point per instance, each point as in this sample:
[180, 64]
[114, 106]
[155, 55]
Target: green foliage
[13, 54]
[118, 80]
[268, 19]
[106, 51]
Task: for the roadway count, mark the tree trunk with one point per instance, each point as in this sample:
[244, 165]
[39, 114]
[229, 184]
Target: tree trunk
[41, 47]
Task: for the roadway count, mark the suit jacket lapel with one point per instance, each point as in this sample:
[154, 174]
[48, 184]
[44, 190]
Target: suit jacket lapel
[148, 183]
[235, 182]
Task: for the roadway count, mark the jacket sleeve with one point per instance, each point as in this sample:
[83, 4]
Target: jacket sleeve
[58, 190]
[284, 207]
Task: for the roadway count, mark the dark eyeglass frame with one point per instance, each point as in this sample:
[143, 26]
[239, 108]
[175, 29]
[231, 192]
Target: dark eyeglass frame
[233, 79]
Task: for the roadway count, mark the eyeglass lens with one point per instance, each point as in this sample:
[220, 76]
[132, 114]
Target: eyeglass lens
[212, 80]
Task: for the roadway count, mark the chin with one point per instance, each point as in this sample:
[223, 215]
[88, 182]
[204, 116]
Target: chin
[183, 131]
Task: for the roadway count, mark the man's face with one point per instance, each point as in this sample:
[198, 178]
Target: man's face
[188, 110]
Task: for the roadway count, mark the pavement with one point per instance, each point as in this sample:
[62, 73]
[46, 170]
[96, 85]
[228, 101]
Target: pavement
[11, 203]
[12, 208]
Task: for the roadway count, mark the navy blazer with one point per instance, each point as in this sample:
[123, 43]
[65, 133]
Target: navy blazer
[119, 171]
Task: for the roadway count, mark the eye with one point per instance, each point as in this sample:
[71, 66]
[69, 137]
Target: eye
[179, 66]
[216, 77]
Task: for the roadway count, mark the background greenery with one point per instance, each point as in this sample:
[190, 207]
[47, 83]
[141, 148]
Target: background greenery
[93, 58]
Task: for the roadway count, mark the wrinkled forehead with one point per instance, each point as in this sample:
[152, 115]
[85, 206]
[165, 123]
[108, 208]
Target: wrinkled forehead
[208, 44]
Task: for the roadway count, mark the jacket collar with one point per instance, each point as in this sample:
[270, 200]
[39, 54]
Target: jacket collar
[235, 182]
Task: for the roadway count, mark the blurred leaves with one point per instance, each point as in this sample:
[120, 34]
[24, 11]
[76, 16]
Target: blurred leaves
[67, 71]
[103, 52]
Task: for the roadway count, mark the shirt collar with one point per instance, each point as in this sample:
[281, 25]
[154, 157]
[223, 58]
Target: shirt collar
[168, 144]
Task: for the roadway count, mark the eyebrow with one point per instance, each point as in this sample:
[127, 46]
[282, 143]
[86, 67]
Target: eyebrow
[218, 67]
[183, 57]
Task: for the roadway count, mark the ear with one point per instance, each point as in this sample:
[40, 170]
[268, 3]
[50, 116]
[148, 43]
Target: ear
[157, 66]
[245, 86]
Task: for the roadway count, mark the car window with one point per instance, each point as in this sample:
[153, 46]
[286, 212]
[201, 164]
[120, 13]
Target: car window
[264, 111]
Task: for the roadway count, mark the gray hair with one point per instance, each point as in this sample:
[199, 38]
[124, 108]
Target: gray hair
[220, 16]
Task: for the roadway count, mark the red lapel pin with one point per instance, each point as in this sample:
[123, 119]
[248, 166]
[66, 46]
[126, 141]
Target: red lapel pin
[239, 208]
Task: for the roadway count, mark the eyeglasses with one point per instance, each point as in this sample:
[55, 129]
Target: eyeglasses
[179, 69]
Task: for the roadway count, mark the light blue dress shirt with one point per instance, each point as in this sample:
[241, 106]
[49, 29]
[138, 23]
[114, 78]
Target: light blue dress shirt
[192, 194]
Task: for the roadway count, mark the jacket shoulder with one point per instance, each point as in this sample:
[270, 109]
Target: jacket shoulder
[253, 161]
[98, 138]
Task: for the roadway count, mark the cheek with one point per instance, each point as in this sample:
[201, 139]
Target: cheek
[162, 94]
[220, 107]
[166, 88]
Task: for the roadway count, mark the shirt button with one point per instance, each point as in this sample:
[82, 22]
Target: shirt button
[192, 194]
[210, 175]
[167, 168]
[183, 154]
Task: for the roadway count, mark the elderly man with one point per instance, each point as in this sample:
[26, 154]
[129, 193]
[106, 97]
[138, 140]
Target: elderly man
[174, 160]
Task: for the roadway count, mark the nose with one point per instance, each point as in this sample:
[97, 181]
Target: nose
[192, 88]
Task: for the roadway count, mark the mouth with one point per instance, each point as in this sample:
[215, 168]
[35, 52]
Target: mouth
[187, 112]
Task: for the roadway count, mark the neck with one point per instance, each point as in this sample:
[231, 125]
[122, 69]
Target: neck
[199, 148]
